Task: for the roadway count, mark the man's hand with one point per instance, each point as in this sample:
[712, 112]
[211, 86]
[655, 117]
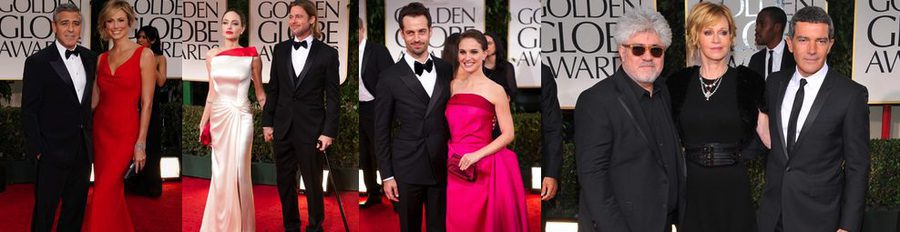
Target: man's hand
[842, 230]
[390, 189]
[268, 133]
[548, 188]
[38, 156]
[324, 143]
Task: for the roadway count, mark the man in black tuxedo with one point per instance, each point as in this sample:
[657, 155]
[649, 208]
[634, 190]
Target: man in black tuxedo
[551, 134]
[818, 169]
[374, 58]
[414, 92]
[627, 149]
[770, 23]
[56, 113]
[302, 112]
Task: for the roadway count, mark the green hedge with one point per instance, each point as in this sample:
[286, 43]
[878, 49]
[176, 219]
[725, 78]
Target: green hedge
[884, 180]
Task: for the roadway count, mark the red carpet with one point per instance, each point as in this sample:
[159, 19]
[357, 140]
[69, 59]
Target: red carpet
[268, 207]
[382, 218]
[148, 214]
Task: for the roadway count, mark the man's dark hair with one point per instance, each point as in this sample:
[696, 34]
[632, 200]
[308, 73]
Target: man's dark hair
[414, 9]
[775, 15]
[811, 14]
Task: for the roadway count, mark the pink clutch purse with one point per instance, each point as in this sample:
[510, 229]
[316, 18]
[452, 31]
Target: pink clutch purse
[453, 168]
[205, 137]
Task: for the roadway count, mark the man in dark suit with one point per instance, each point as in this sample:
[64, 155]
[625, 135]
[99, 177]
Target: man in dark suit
[374, 58]
[551, 134]
[817, 171]
[414, 93]
[301, 114]
[770, 23]
[626, 146]
[56, 113]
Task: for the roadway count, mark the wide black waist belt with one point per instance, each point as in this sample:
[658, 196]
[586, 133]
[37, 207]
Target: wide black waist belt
[713, 154]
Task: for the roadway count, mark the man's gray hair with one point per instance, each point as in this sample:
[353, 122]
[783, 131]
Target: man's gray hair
[66, 7]
[811, 14]
[642, 20]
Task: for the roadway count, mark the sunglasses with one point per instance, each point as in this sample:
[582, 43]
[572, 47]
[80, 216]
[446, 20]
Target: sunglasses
[638, 50]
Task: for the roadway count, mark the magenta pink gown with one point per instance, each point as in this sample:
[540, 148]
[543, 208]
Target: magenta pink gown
[496, 200]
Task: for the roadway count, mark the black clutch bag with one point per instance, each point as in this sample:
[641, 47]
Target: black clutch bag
[453, 168]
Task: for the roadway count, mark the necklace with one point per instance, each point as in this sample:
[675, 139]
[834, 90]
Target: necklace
[711, 88]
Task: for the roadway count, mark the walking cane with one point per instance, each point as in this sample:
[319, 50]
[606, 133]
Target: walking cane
[337, 194]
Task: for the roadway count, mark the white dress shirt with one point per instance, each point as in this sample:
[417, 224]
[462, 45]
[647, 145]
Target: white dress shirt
[75, 68]
[364, 94]
[299, 55]
[810, 91]
[777, 54]
[428, 78]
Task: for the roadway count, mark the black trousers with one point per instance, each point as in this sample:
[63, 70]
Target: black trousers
[413, 197]
[367, 159]
[61, 180]
[291, 156]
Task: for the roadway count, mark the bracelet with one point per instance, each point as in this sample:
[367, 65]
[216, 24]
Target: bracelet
[140, 146]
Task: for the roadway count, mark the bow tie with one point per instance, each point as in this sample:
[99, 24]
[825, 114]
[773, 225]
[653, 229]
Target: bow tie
[419, 67]
[299, 44]
[70, 53]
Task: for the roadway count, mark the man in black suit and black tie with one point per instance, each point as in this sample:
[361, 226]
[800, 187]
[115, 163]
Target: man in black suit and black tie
[770, 23]
[414, 92]
[56, 113]
[301, 114]
[374, 58]
[818, 169]
[627, 150]
[551, 134]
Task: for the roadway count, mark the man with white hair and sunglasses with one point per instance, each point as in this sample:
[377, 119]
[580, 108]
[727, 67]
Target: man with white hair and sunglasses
[626, 145]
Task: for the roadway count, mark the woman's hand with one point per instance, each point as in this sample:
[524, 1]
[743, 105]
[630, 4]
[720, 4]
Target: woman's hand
[140, 157]
[468, 160]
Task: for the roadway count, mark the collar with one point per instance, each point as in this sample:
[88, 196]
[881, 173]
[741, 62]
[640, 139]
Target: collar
[62, 49]
[362, 44]
[639, 91]
[815, 79]
[411, 62]
[780, 48]
[308, 40]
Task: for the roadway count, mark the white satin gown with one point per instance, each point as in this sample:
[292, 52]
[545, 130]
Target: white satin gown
[229, 206]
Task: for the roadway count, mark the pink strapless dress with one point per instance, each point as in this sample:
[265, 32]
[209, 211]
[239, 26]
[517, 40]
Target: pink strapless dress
[496, 200]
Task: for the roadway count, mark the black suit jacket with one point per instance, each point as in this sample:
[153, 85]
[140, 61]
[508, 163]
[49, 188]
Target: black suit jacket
[311, 108]
[624, 186]
[376, 59]
[821, 183]
[758, 61]
[417, 152]
[551, 124]
[55, 122]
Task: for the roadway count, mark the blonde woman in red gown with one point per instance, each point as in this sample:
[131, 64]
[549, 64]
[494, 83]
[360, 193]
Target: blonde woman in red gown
[126, 75]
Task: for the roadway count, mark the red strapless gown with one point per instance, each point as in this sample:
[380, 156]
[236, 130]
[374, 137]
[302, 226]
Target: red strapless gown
[496, 200]
[116, 127]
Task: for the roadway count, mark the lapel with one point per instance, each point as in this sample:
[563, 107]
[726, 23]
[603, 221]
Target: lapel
[439, 85]
[787, 59]
[60, 67]
[288, 63]
[821, 97]
[630, 104]
[365, 59]
[313, 48]
[89, 74]
[779, 99]
[412, 82]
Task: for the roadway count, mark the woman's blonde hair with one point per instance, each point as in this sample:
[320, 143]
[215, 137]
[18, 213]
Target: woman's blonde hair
[107, 12]
[703, 15]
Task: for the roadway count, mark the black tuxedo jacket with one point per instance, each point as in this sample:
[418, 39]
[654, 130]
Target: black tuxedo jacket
[311, 108]
[376, 59]
[821, 183]
[551, 125]
[416, 153]
[55, 122]
[758, 61]
[624, 185]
